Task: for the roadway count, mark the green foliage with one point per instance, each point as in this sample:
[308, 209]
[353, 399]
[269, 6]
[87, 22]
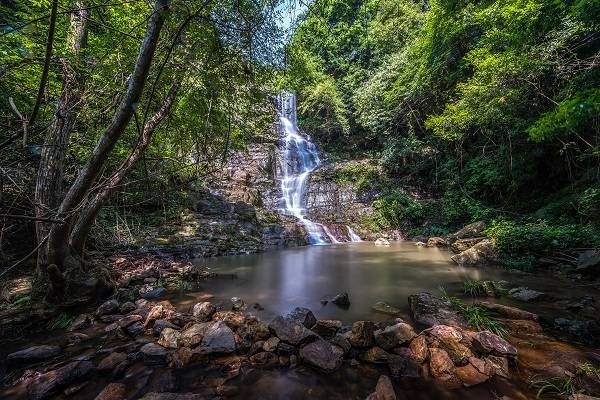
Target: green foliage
[394, 209]
[475, 315]
[562, 386]
[364, 175]
[477, 288]
[62, 321]
[521, 238]
[590, 370]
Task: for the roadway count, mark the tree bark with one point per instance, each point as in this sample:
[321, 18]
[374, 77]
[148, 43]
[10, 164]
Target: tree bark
[49, 180]
[58, 247]
[88, 214]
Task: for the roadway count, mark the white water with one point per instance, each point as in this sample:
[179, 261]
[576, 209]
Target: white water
[353, 236]
[300, 158]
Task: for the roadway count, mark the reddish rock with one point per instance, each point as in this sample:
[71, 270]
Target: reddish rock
[45, 385]
[384, 389]
[322, 355]
[113, 391]
[233, 319]
[169, 338]
[470, 376]
[419, 348]
[440, 362]
[265, 359]
[487, 342]
[497, 365]
[394, 335]
[203, 311]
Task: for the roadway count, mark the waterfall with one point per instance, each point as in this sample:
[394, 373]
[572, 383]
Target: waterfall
[353, 236]
[300, 158]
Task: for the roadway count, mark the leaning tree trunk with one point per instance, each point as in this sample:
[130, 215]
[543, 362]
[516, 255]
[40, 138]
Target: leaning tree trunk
[88, 214]
[57, 246]
[50, 171]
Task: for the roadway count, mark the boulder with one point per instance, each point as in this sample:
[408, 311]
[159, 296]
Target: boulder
[362, 334]
[429, 310]
[218, 339]
[342, 342]
[203, 311]
[382, 242]
[449, 338]
[419, 349]
[82, 321]
[192, 336]
[303, 316]
[496, 365]
[108, 307]
[470, 376]
[322, 355]
[436, 241]
[291, 331]
[153, 353]
[384, 390]
[173, 396]
[473, 230]
[384, 308]
[33, 354]
[525, 294]
[113, 391]
[341, 300]
[284, 349]
[45, 385]
[327, 328]
[135, 329]
[169, 338]
[464, 244]
[394, 336]
[442, 368]
[488, 342]
[481, 254]
[588, 263]
[127, 307]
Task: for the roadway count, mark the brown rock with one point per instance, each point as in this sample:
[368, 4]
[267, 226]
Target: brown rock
[113, 391]
[522, 326]
[393, 336]
[470, 376]
[265, 359]
[45, 385]
[322, 355]
[271, 344]
[203, 311]
[508, 312]
[436, 241]
[327, 327]
[483, 253]
[440, 363]
[464, 244]
[487, 342]
[233, 319]
[419, 348]
[375, 355]
[450, 340]
[169, 338]
[384, 389]
[497, 365]
[192, 336]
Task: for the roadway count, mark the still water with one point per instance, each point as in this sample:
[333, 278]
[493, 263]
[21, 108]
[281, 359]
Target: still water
[282, 280]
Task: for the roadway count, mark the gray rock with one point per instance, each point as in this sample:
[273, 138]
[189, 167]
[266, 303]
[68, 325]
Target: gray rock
[192, 335]
[429, 310]
[291, 331]
[218, 339]
[161, 324]
[135, 329]
[153, 353]
[481, 254]
[304, 316]
[237, 304]
[588, 263]
[108, 307]
[473, 230]
[327, 327]
[403, 366]
[525, 294]
[127, 307]
[394, 335]
[285, 349]
[322, 355]
[33, 354]
[341, 341]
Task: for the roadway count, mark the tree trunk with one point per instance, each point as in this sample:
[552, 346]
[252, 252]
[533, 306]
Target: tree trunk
[58, 248]
[86, 218]
[50, 171]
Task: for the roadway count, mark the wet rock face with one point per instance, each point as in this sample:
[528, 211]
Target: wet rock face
[154, 353]
[291, 331]
[394, 336]
[108, 307]
[488, 342]
[322, 355]
[430, 311]
[341, 300]
[436, 241]
[303, 316]
[218, 339]
[327, 328]
[33, 354]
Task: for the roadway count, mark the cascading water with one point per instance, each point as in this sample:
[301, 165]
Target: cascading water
[353, 236]
[300, 158]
